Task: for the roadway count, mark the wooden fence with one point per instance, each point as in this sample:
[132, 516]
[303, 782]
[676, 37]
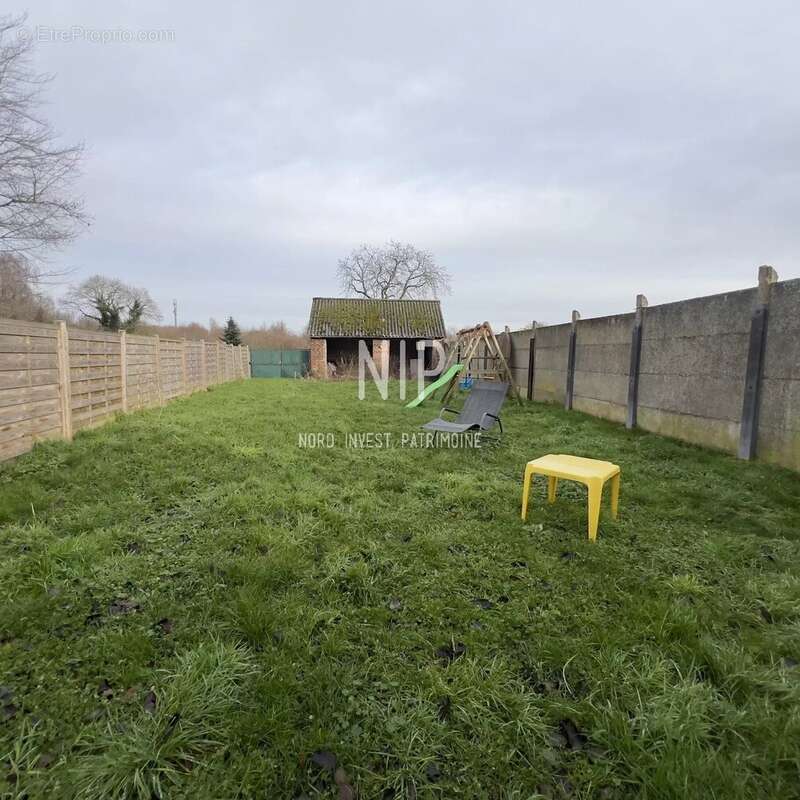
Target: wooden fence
[56, 380]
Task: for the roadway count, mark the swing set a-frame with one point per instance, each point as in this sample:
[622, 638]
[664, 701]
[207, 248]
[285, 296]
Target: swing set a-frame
[479, 353]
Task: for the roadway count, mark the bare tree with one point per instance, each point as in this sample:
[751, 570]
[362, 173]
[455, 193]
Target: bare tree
[38, 208]
[20, 297]
[111, 303]
[396, 271]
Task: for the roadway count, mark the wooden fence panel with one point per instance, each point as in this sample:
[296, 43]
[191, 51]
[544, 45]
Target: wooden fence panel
[171, 364]
[230, 374]
[30, 394]
[193, 352]
[55, 380]
[141, 373]
[212, 366]
[221, 377]
[95, 377]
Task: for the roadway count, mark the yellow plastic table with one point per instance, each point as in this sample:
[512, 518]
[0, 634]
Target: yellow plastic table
[588, 471]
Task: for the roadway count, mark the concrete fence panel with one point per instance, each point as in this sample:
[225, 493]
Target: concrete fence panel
[602, 359]
[778, 437]
[700, 375]
[693, 365]
[552, 351]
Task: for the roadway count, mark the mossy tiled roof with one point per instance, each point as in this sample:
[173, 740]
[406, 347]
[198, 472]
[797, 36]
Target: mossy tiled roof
[349, 317]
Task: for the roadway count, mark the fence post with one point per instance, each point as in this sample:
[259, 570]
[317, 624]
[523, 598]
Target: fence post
[571, 361]
[635, 363]
[158, 370]
[123, 365]
[65, 394]
[748, 431]
[220, 373]
[204, 365]
[531, 360]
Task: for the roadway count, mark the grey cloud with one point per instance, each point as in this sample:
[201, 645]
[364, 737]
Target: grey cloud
[553, 156]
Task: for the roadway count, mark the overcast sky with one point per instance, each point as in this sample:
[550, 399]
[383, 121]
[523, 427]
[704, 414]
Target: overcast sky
[551, 155]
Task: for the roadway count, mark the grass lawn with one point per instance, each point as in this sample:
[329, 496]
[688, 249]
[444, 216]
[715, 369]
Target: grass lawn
[192, 606]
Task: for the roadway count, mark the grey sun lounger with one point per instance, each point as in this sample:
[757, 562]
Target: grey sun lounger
[480, 412]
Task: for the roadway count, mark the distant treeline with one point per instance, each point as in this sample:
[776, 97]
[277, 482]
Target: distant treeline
[275, 336]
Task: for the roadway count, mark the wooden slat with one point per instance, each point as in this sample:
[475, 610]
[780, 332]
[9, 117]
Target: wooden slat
[19, 328]
[23, 411]
[27, 394]
[26, 377]
[77, 335]
[98, 403]
[17, 361]
[10, 343]
[31, 427]
[22, 444]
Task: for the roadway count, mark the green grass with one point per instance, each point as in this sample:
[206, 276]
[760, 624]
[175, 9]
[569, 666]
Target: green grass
[192, 606]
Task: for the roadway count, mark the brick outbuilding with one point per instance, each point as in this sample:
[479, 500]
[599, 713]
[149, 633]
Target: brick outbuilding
[337, 325]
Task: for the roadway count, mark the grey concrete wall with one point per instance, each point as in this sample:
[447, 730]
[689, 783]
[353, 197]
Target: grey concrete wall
[550, 379]
[518, 360]
[694, 357]
[779, 415]
[602, 362]
[692, 369]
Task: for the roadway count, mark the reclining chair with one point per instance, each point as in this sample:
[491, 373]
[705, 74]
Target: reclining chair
[480, 412]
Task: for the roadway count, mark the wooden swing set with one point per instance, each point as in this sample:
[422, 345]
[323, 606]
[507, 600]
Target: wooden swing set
[487, 363]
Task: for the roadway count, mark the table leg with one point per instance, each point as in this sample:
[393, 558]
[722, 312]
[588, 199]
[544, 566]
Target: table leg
[615, 495]
[595, 496]
[526, 486]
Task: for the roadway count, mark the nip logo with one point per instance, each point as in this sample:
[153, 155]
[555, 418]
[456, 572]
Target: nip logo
[380, 372]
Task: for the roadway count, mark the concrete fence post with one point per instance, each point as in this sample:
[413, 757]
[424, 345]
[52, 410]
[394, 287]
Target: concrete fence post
[571, 361]
[748, 431]
[531, 360]
[635, 364]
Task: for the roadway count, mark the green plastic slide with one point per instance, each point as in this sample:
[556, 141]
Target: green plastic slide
[432, 387]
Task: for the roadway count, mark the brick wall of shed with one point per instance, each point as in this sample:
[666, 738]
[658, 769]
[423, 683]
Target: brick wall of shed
[380, 355]
[319, 358]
